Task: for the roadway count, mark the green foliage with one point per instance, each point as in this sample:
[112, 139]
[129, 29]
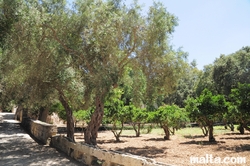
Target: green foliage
[35, 66]
[8, 17]
[82, 115]
[60, 110]
[137, 117]
[206, 107]
[115, 112]
[240, 103]
[230, 70]
[206, 81]
[114, 108]
[133, 84]
[169, 115]
[79, 55]
[187, 86]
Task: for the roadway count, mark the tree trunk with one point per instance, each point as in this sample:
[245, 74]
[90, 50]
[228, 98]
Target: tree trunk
[117, 136]
[241, 128]
[246, 127]
[231, 126]
[91, 131]
[24, 114]
[149, 128]
[18, 113]
[69, 113]
[172, 131]
[167, 133]
[116, 133]
[138, 133]
[204, 130]
[76, 123]
[43, 114]
[211, 133]
[137, 130]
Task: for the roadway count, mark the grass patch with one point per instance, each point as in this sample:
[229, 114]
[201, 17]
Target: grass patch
[194, 131]
[188, 131]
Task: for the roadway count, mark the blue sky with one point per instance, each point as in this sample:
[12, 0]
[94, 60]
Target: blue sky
[208, 28]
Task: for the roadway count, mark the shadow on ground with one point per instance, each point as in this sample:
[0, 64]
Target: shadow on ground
[155, 139]
[18, 148]
[128, 136]
[147, 151]
[110, 141]
[194, 136]
[238, 148]
[237, 138]
[203, 142]
[236, 133]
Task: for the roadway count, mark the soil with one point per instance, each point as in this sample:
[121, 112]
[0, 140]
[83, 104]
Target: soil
[179, 149]
[17, 147]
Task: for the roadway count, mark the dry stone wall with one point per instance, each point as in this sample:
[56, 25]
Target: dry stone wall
[40, 130]
[91, 155]
[84, 153]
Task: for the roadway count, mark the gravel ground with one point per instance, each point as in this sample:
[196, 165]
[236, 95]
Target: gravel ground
[17, 148]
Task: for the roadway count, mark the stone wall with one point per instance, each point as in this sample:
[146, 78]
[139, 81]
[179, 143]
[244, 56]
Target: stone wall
[91, 155]
[84, 153]
[40, 130]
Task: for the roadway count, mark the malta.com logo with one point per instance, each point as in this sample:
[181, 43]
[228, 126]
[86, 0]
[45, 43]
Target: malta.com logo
[209, 159]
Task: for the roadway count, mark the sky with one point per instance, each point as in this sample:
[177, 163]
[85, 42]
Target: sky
[207, 28]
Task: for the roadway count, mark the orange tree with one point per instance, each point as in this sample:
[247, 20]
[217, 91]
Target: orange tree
[115, 113]
[240, 106]
[137, 118]
[169, 116]
[207, 108]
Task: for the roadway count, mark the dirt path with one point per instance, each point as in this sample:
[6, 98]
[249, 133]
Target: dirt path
[19, 149]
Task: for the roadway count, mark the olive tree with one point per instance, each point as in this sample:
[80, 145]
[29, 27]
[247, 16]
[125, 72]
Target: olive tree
[113, 36]
[50, 45]
[37, 69]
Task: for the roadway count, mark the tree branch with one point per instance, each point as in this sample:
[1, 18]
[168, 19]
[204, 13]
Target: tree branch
[132, 49]
[66, 47]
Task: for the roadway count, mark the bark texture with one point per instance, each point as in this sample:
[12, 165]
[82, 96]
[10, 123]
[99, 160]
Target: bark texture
[44, 112]
[91, 131]
[137, 128]
[167, 133]
[69, 113]
[211, 133]
[204, 130]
